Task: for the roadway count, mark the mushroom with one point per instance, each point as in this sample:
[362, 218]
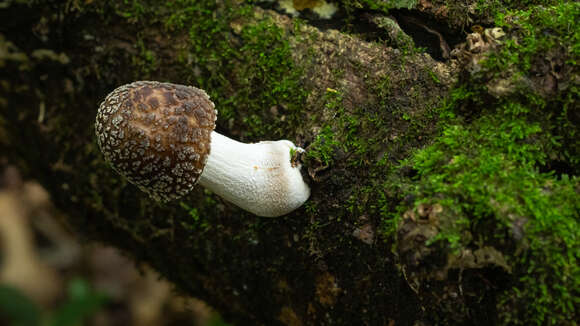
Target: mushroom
[161, 137]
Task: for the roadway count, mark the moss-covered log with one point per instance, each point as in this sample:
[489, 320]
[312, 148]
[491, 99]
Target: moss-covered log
[442, 151]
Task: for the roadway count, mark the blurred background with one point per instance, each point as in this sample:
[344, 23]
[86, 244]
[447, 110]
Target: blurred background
[50, 276]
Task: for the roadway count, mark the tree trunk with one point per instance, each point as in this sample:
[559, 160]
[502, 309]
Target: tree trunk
[394, 232]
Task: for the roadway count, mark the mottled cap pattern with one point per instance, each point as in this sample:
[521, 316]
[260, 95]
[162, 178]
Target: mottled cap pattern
[157, 135]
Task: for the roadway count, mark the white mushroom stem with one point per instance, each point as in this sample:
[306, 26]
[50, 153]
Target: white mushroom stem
[258, 178]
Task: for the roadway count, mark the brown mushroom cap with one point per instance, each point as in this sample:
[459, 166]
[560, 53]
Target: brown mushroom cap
[157, 135]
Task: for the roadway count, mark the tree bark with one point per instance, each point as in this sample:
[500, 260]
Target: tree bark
[358, 101]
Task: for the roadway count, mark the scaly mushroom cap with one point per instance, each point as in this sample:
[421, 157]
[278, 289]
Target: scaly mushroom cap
[157, 135]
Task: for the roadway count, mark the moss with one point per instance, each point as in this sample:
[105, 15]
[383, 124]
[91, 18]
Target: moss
[269, 82]
[505, 167]
[361, 140]
[262, 94]
[497, 7]
[380, 5]
[323, 148]
[145, 62]
[196, 220]
[486, 172]
[471, 15]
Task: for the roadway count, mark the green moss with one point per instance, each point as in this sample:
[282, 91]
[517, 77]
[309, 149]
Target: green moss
[263, 79]
[326, 143]
[487, 171]
[495, 7]
[361, 141]
[248, 75]
[323, 148]
[380, 5]
[506, 167]
[197, 222]
[268, 80]
[145, 62]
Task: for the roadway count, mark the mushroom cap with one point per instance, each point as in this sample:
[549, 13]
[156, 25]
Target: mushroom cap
[157, 135]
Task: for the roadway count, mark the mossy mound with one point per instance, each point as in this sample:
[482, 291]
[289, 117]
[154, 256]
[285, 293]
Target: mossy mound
[504, 174]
